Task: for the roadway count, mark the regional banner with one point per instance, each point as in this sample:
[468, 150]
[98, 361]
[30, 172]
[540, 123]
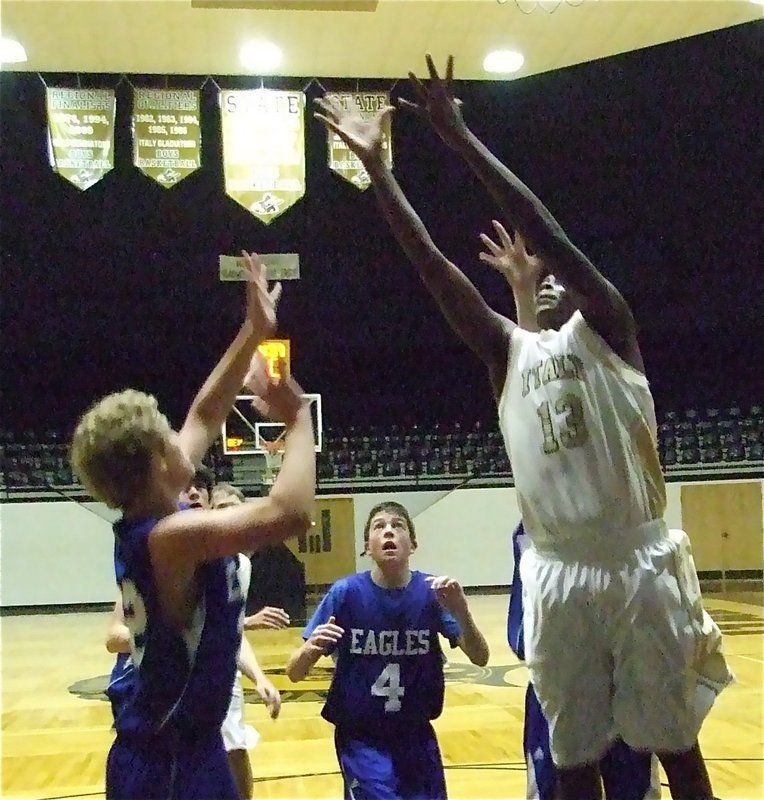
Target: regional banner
[81, 133]
[342, 159]
[263, 149]
[167, 137]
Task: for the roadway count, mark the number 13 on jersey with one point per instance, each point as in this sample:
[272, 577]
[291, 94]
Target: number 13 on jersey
[388, 685]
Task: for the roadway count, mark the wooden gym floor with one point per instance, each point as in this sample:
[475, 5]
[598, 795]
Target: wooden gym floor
[56, 724]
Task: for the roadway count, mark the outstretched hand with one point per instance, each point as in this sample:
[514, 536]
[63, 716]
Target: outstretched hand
[325, 637]
[270, 695]
[511, 258]
[278, 399]
[450, 594]
[364, 137]
[268, 617]
[261, 303]
[436, 103]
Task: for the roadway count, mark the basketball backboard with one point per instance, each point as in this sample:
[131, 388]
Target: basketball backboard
[245, 430]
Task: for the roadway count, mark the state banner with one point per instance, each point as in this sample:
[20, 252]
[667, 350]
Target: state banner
[263, 134]
[167, 136]
[81, 133]
[342, 159]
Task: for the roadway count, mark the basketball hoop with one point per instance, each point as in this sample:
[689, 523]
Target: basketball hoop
[274, 455]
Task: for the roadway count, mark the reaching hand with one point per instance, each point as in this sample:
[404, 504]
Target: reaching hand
[271, 696]
[278, 399]
[363, 136]
[512, 259]
[450, 594]
[261, 304]
[436, 103]
[269, 618]
[325, 637]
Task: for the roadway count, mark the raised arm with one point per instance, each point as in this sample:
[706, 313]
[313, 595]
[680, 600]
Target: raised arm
[214, 400]
[602, 304]
[484, 331]
[181, 542]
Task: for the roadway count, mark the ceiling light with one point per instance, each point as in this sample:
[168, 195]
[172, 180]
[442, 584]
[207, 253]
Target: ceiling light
[11, 52]
[260, 57]
[503, 61]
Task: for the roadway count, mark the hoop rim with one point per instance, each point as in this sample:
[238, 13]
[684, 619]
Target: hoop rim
[274, 448]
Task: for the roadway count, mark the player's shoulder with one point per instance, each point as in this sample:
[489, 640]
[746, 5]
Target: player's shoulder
[133, 530]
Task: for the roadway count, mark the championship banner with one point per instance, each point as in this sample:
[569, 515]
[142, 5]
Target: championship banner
[342, 159]
[167, 137]
[81, 133]
[263, 149]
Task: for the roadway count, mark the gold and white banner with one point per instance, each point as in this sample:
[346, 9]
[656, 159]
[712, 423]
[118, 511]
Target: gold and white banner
[342, 160]
[81, 134]
[263, 149]
[167, 137]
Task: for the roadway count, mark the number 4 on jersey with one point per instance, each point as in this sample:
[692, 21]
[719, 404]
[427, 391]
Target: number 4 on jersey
[388, 685]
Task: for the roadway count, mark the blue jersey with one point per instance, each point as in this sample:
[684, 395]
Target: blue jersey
[182, 680]
[120, 683]
[389, 663]
[515, 635]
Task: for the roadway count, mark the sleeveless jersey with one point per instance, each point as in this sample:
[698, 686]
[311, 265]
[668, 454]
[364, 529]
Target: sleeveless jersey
[579, 427]
[182, 680]
[389, 663]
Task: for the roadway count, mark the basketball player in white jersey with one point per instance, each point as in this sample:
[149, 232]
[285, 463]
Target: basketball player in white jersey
[239, 737]
[616, 635]
[224, 495]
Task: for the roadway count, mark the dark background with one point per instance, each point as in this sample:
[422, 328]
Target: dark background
[652, 161]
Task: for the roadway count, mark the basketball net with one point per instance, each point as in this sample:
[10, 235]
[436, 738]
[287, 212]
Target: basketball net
[274, 455]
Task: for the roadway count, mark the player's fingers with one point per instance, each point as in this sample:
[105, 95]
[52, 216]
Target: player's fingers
[250, 264]
[275, 293]
[328, 108]
[409, 106]
[491, 261]
[504, 237]
[431, 68]
[490, 244]
[275, 705]
[419, 89]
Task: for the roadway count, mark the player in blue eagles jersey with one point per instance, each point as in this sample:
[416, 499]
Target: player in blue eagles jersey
[382, 627]
[238, 737]
[176, 569]
[626, 773]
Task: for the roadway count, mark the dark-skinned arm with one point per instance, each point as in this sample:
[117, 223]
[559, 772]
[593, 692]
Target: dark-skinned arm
[602, 304]
[604, 307]
[484, 331]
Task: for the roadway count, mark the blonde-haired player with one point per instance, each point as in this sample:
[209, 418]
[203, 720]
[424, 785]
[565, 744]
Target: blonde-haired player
[180, 592]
